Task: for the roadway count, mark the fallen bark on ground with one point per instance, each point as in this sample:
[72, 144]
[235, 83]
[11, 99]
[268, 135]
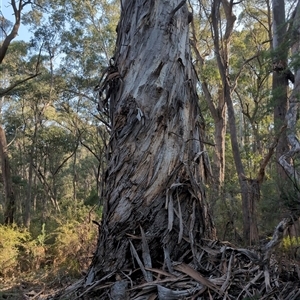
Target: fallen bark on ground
[214, 270]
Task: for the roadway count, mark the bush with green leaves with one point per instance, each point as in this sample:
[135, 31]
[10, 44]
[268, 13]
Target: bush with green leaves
[18, 252]
[74, 244]
[290, 247]
[63, 245]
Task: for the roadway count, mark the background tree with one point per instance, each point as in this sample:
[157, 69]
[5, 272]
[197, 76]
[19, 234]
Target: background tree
[202, 46]
[244, 63]
[62, 97]
[288, 159]
[280, 78]
[222, 49]
[18, 7]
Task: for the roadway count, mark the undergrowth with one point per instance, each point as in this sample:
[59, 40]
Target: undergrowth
[65, 248]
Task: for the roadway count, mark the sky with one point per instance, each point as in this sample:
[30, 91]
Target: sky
[8, 13]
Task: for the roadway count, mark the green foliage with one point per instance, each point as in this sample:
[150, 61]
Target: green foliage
[18, 251]
[41, 238]
[11, 239]
[290, 247]
[57, 140]
[92, 198]
[73, 246]
[290, 242]
[269, 207]
[66, 246]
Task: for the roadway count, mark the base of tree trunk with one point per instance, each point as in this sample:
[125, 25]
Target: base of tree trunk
[219, 271]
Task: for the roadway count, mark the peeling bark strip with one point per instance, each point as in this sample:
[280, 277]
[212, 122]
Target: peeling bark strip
[155, 209]
[232, 273]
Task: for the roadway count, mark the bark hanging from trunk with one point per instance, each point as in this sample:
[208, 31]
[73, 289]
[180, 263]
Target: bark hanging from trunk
[155, 196]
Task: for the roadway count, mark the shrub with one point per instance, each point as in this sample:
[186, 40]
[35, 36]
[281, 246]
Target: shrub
[290, 246]
[59, 246]
[73, 247]
[11, 240]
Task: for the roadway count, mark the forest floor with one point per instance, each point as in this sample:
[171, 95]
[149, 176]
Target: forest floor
[223, 271]
[38, 286]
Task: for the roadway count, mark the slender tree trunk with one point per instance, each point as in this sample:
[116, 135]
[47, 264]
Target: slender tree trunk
[280, 81]
[220, 133]
[250, 231]
[218, 113]
[155, 197]
[288, 223]
[29, 201]
[293, 111]
[18, 7]
[75, 179]
[9, 213]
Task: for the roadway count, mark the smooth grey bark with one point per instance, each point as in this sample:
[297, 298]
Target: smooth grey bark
[220, 134]
[155, 200]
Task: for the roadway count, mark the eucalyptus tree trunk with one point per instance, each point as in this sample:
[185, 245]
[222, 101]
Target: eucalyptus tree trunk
[280, 79]
[155, 200]
[286, 160]
[5, 166]
[29, 201]
[221, 49]
[220, 134]
[218, 111]
[10, 201]
[293, 111]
